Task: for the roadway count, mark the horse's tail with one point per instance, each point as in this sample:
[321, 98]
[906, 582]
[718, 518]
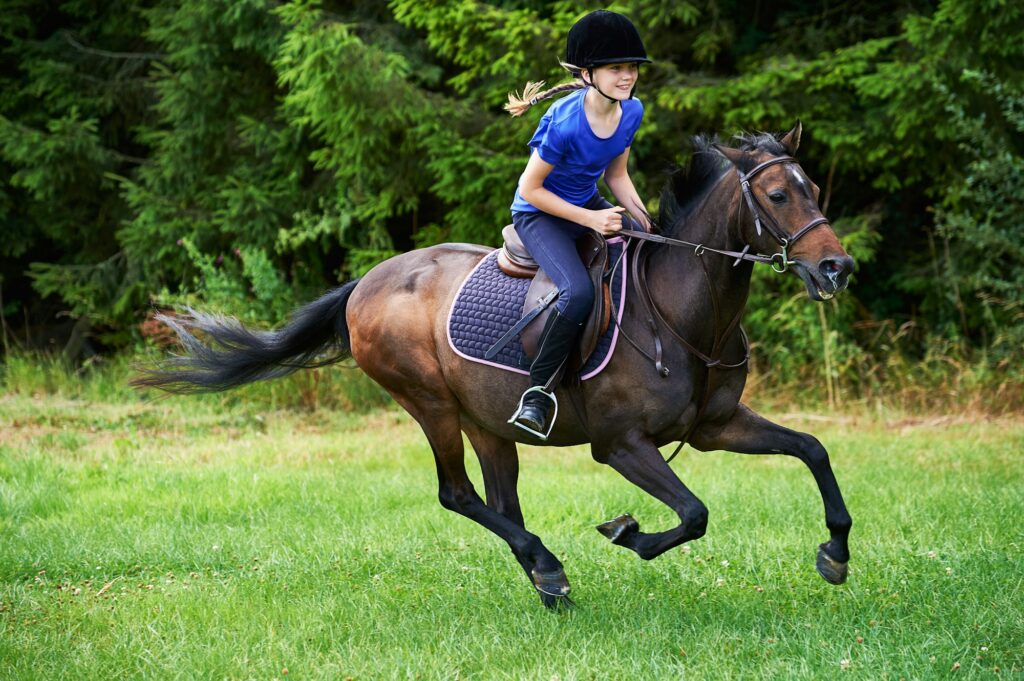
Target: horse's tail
[315, 335]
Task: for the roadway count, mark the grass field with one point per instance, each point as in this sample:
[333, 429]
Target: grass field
[183, 540]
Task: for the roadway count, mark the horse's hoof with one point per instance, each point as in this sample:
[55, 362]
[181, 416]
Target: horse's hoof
[553, 588]
[557, 603]
[831, 570]
[619, 529]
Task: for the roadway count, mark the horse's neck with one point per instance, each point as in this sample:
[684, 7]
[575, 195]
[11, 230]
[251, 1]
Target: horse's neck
[678, 283]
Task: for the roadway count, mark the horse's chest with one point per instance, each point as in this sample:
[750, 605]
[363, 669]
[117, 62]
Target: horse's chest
[699, 395]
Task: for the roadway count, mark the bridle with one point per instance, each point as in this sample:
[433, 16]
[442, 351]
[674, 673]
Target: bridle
[779, 262]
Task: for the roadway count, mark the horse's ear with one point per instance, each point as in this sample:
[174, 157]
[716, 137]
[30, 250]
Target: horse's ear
[791, 140]
[737, 157]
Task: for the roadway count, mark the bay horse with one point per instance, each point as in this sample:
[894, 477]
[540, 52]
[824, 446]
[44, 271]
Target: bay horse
[679, 378]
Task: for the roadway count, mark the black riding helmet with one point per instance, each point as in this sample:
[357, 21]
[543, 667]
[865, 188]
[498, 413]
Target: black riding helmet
[604, 37]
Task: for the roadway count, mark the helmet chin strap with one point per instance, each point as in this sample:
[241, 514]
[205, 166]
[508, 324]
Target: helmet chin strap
[594, 85]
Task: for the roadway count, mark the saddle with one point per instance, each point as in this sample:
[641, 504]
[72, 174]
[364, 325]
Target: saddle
[515, 261]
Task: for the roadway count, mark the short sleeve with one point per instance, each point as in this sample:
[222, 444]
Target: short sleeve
[549, 142]
[636, 116]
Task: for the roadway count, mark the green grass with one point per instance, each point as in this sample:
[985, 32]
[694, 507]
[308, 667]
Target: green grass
[106, 379]
[199, 539]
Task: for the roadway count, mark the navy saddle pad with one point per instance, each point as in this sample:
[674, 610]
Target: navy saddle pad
[490, 302]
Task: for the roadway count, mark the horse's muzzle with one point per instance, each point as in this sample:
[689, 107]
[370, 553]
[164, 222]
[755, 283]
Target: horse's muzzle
[831, 276]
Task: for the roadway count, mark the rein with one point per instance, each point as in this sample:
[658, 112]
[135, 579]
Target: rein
[779, 262]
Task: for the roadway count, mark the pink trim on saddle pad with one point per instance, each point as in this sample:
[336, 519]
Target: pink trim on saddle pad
[624, 270]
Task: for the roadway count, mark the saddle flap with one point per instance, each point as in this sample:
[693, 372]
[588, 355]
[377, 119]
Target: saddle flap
[593, 250]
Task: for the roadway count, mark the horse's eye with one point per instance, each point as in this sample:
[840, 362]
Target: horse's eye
[777, 196]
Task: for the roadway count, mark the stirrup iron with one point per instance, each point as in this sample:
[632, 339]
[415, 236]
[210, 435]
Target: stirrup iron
[519, 410]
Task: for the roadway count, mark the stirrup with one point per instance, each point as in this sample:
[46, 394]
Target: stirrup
[519, 410]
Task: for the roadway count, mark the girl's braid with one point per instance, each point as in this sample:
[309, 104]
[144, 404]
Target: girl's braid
[519, 104]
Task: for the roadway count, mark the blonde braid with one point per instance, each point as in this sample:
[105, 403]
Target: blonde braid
[519, 104]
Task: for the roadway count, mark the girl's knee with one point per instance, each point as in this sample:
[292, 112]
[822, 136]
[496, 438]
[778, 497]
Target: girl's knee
[579, 300]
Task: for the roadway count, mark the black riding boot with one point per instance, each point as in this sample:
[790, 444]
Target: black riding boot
[557, 340]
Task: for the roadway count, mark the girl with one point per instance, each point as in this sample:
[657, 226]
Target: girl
[581, 137]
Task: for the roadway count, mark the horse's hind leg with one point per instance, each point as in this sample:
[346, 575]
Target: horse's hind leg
[439, 419]
[640, 462]
[749, 433]
[499, 463]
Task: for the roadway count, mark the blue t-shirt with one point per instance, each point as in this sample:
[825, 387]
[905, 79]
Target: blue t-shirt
[565, 139]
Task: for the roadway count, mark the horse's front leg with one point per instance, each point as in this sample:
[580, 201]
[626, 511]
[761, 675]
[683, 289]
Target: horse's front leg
[640, 462]
[748, 433]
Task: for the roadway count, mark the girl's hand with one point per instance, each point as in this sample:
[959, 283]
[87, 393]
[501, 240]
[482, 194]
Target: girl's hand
[607, 221]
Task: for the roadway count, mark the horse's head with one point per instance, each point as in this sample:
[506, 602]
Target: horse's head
[780, 214]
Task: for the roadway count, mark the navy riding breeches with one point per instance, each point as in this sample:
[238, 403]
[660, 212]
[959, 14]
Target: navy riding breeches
[552, 243]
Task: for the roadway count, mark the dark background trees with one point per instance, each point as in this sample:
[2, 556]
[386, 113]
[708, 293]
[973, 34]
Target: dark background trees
[247, 154]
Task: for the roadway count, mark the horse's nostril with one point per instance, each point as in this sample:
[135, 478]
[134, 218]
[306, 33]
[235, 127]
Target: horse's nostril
[836, 270]
[830, 267]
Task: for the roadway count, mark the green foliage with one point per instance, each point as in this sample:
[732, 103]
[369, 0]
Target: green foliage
[59, 171]
[224, 171]
[105, 293]
[979, 221]
[246, 285]
[340, 88]
[248, 154]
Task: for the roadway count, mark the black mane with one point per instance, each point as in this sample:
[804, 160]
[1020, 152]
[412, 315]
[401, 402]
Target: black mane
[686, 186]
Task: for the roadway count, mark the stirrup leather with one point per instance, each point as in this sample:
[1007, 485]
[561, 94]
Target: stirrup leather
[519, 410]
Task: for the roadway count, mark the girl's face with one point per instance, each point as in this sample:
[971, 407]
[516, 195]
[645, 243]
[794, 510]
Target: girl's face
[616, 80]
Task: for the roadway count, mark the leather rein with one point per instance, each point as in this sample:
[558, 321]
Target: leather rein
[779, 262]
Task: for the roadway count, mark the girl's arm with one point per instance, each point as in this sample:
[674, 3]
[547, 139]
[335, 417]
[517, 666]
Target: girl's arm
[617, 179]
[531, 188]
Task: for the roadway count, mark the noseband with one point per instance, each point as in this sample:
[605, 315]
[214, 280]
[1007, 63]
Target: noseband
[780, 261]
